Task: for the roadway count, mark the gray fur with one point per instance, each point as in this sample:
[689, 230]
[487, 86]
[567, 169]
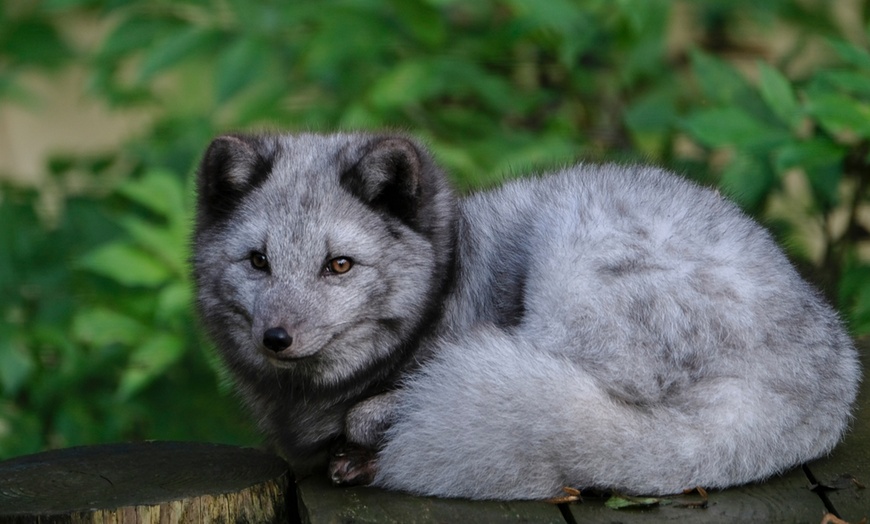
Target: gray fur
[603, 326]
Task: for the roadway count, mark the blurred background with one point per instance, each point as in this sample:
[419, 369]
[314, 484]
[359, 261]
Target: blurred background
[106, 106]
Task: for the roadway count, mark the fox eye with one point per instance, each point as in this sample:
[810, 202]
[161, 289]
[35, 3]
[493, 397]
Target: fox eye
[259, 261]
[338, 266]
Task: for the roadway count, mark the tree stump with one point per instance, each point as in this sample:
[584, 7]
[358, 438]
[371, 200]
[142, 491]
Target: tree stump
[163, 482]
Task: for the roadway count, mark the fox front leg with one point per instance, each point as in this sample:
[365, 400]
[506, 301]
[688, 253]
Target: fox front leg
[355, 463]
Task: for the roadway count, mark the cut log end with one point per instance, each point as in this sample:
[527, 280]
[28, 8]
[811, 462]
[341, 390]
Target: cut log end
[146, 482]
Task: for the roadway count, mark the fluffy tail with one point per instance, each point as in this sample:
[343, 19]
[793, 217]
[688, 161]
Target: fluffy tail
[494, 417]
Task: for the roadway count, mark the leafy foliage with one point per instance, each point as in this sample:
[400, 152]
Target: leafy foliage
[98, 341]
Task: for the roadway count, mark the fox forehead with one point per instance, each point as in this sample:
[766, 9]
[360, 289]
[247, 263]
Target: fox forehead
[306, 154]
[306, 172]
[304, 217]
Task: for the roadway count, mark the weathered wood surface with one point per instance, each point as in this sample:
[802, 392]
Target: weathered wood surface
[321, 503]
[844, 477]
[783, 499]
[148, 482]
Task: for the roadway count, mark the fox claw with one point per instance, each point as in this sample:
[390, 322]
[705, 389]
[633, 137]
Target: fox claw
[353, 466]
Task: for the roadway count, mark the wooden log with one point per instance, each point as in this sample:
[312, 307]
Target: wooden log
[150, 482]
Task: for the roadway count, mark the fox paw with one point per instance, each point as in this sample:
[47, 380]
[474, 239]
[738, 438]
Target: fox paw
[353, 465]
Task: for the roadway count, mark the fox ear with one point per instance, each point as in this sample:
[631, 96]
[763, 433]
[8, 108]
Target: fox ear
[230, 168]
[388, 177]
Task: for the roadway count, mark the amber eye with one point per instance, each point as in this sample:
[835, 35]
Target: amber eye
[339, 265]
[259, 261]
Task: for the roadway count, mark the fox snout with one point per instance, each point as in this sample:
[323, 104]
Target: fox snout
[277, 339]
[281, 346]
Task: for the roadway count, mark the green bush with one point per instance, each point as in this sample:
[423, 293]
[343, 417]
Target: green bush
[98, 341]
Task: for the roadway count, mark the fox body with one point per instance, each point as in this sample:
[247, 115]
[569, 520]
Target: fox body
[602, 326]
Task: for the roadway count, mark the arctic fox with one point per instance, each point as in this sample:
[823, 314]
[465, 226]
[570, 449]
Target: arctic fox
[615, 327]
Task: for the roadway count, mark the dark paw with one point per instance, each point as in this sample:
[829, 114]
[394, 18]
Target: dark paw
[353, 466]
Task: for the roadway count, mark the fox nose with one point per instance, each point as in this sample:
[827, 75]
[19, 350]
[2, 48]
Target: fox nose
[277, 339]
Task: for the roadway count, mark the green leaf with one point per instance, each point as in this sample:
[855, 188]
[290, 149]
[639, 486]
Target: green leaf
[651, 118]
[851, 82]
[560, 15]
[61, 5]
[75, 421]
[148, 362]
[174, 303]
[747, 181]
[133, 34]
[821, 161]
[653, 112]
[100, 327]
[16, 366]
[854, 296]
[825, 183]
[159, 191]
[425, 21]
[408, 83]
[21, 433]
[162, 242]
[719, 81]
[808, 154]
[728, 127]
[624, 501]
[126, 264]
[458, 159]
[851, 53]
[171, 50]
[238, 66]
[358, 115]
[34, 41]
[260, 102]
[840, 113]
[538, 152]
[778, 94]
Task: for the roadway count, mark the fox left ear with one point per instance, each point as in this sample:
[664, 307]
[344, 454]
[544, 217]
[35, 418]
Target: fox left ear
[232, 166]
[388, 177]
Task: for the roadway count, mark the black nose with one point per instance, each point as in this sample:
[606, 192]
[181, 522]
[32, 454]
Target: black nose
[277, 339]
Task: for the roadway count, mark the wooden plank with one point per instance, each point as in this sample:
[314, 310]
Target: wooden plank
[322, 503]
[782, 499]
[847, 469]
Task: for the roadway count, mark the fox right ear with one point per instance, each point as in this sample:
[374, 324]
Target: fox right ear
[388, 176]
[231, 167]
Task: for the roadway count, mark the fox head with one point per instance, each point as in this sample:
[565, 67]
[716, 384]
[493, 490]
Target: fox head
[325, 256]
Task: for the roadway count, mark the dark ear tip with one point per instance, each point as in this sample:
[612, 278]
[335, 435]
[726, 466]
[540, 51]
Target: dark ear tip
[229, 145]
[396, 142]
[227, 162]
[398, 145]
[396, 155]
